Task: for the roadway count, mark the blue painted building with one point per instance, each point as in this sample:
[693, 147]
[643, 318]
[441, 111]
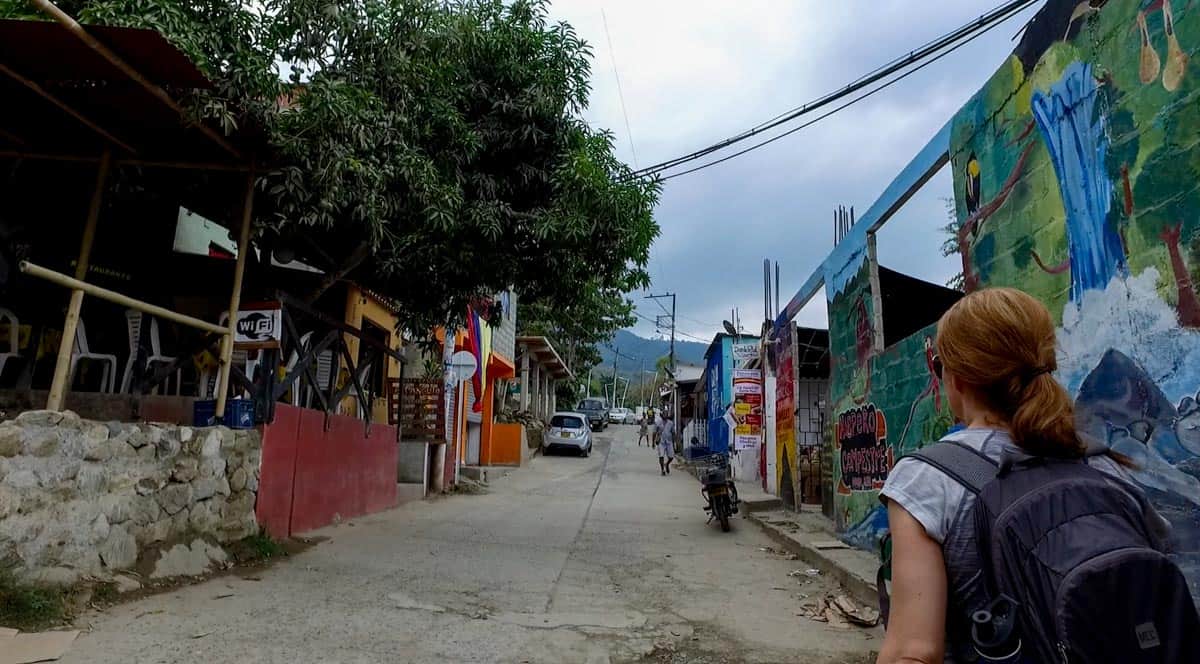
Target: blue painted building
[724, 354]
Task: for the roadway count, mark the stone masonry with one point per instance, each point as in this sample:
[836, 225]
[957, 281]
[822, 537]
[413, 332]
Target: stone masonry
[82, 498]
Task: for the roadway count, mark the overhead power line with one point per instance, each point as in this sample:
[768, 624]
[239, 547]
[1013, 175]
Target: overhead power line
[679, 332]
[835, 109]
[951, 40]
[620, 94]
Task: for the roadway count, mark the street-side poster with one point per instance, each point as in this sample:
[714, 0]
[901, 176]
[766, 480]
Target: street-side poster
[747, 408]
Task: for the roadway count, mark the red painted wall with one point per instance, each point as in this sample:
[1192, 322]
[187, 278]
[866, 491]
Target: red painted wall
[323, 474]
[279, 438]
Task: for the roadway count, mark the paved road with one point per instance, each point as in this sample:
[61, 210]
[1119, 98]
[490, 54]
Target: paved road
[567, 560]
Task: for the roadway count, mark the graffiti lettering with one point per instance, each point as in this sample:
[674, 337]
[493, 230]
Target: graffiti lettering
[863, 451]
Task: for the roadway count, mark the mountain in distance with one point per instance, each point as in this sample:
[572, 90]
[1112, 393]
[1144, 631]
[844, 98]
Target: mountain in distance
[640, 349]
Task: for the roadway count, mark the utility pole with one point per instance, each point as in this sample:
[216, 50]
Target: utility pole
[642, 392]
[671, 361]
[616, 356]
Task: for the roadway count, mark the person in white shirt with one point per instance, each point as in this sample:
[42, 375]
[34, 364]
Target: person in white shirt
[666, 444]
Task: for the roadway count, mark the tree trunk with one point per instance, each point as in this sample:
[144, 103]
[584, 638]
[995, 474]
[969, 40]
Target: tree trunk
[1189, 306]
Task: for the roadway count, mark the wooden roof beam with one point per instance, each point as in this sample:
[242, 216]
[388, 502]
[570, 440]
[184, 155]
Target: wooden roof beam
[64, 107]
[115, 60]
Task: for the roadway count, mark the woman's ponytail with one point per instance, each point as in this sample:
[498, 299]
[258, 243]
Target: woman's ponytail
[1000, 341]
[1043, 420]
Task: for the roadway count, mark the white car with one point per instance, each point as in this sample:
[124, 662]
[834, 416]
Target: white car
[621, 416]
[568, 431]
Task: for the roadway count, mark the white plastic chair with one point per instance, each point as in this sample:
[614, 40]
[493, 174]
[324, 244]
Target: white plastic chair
[14, 336]
[156, 355]
[108, 377]
[363, 373]
[324, 373]
[293, 359]
[134, 320]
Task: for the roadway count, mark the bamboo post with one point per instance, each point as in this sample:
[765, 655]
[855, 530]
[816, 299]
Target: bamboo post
[235, 300]
[59, 279]
[62, 365]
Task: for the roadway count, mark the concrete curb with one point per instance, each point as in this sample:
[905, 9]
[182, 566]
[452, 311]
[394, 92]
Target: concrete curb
[856, 583]
[760, 504]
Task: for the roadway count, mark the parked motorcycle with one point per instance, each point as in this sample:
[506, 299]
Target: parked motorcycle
[720, 494]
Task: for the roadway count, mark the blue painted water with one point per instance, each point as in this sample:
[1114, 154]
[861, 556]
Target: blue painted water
[1074, 136]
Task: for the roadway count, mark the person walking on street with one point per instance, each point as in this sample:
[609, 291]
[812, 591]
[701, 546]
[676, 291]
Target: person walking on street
[656, 428]
[644, 430]
[666, 444]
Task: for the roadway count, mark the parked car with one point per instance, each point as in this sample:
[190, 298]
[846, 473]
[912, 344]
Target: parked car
[568, 431]
[596, 411]
[621, 416]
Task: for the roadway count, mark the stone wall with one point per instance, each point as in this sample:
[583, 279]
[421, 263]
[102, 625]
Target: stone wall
[84, 498]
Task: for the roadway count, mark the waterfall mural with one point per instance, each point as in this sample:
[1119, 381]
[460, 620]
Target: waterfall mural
[1074, 135]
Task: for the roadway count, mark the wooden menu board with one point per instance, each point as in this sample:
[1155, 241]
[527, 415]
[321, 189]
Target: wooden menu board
[417, 407]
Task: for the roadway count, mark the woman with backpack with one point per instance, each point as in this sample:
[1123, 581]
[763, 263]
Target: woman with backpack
[1011, 540]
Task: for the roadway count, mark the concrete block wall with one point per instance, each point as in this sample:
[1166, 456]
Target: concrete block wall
[85, 498]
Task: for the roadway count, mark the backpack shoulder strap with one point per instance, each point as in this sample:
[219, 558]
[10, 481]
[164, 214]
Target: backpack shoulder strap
[963, 464]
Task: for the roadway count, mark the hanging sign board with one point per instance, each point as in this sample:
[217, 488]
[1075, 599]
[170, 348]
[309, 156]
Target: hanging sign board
[417, 405]
[743, 354]
[257, 326]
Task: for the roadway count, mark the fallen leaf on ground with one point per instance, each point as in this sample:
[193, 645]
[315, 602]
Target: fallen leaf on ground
[839, 611]
[200, 635]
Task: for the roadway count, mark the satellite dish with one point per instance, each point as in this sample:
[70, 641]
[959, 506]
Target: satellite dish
[284, 255]
[729, 328]
[461, 366]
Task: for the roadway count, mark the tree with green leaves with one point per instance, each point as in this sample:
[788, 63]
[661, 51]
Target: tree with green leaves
[431, 151]
[577, 326]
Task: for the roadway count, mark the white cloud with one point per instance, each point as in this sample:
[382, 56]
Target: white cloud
[694, 72]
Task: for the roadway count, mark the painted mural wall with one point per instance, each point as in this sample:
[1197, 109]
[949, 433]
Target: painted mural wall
[787, 469]
[1077, 179]
[884, 406]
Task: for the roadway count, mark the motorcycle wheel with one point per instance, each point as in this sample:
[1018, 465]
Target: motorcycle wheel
[723, 514]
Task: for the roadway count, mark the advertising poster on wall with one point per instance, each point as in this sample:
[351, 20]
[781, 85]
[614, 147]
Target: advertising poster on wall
[747, 408]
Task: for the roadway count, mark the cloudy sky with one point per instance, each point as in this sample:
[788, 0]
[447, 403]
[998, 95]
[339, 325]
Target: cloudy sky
[696, 71]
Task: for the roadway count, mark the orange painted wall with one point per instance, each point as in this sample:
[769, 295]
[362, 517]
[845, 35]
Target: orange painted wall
[506, 444]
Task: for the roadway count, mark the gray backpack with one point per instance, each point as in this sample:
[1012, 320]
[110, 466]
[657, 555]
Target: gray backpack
[1069, 569]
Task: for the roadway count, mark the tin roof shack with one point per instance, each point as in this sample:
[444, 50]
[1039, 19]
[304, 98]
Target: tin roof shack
[96, 150]
[87, 128]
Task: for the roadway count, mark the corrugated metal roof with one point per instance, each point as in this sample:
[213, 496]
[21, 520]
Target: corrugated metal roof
[48, 61]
